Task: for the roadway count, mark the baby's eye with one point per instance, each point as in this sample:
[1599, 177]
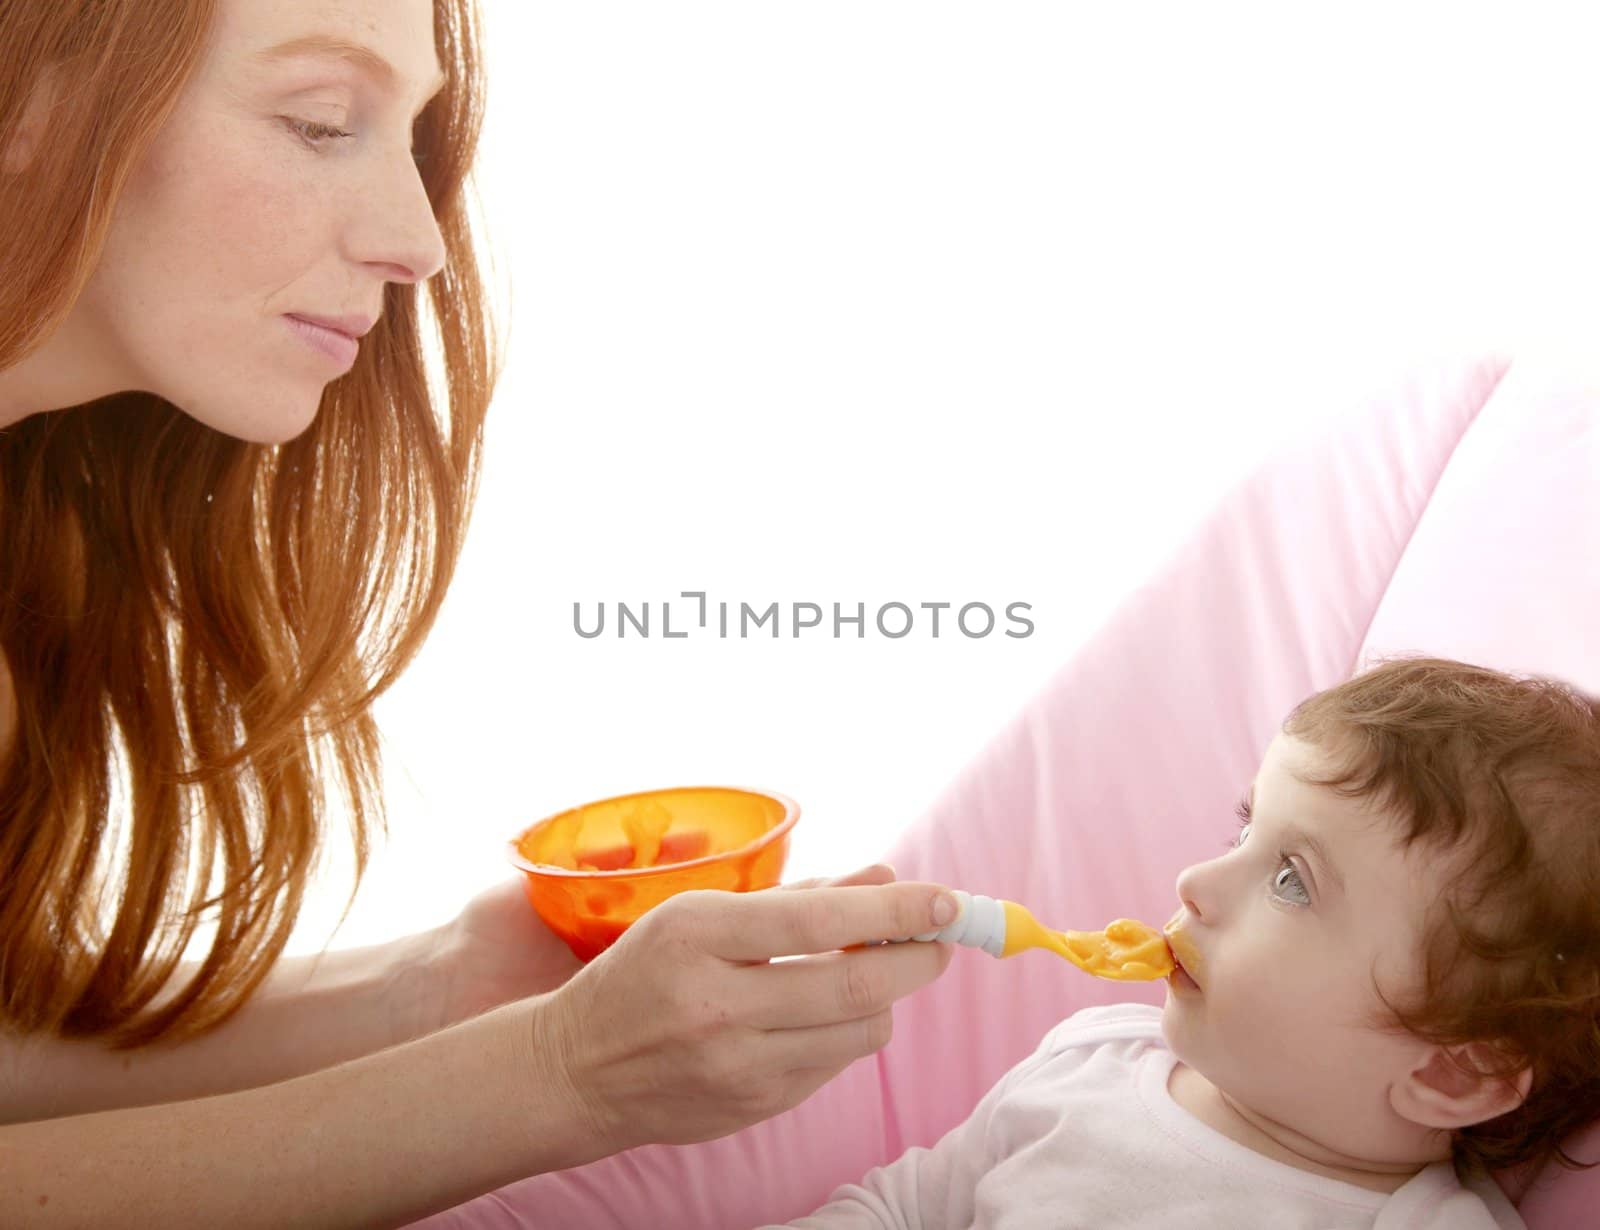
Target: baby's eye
[1242, 811]
[1288, 876]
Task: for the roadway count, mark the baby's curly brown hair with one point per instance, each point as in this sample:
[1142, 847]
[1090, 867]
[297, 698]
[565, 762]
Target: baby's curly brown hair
[1502, 774]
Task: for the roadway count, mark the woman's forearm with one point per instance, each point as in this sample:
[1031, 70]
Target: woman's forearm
[310, 1013]
[379, 1141]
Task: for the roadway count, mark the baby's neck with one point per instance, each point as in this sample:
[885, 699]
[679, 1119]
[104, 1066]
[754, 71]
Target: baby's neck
[1203, 1100]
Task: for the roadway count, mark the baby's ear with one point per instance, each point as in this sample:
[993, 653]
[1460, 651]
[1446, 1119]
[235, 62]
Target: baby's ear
[1452, 1087]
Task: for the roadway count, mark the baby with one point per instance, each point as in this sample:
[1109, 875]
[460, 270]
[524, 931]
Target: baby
[1389, 985]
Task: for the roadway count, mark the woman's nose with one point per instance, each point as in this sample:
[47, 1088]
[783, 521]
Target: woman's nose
[414, 257]
[402, 234]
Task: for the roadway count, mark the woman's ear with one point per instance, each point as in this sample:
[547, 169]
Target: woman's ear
[17, 154]
[1452, 1088]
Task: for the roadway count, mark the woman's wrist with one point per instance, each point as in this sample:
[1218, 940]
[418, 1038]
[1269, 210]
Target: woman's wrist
[495, 952]
[563, 1128]
[420, 973]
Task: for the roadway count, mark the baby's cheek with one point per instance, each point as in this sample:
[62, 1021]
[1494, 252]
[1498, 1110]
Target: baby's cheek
[1264, 993]
[1314, 1000]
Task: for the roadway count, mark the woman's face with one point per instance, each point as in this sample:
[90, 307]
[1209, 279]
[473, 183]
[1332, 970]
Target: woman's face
[249, 207]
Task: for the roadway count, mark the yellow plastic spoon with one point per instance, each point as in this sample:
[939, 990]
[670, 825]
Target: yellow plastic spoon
[1127, 950]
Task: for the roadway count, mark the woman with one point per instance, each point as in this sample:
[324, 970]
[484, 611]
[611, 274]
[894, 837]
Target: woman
[224, 529]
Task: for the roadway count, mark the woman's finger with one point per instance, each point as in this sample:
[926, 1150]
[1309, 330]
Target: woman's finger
[821, 1051]
[821, 991]
[762, 925]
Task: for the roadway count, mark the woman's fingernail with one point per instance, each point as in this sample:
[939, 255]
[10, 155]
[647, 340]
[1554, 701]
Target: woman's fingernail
[944, 909]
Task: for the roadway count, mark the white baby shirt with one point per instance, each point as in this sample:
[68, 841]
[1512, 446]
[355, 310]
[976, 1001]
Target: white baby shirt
[1083, 1134]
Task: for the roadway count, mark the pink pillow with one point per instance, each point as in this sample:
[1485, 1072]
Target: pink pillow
[1421, 523]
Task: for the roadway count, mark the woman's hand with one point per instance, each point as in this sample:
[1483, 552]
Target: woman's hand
[498, 950]
[685, 1030]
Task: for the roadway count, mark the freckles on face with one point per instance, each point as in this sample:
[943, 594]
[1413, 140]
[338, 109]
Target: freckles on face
[223, 214]
[216, 220]
[231, 219]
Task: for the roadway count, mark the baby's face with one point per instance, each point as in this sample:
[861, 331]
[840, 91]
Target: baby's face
[1284, 935]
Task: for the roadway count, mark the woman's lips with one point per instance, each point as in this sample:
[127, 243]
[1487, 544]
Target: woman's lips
[341, 348]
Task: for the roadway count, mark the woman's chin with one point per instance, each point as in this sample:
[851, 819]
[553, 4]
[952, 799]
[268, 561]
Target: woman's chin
[272, 425]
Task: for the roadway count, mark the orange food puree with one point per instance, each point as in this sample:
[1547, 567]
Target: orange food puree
[1126, 950]
[648, 845]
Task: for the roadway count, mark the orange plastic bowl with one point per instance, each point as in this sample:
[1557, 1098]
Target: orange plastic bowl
[593, 870]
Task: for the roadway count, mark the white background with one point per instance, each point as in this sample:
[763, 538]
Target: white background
[872, 302]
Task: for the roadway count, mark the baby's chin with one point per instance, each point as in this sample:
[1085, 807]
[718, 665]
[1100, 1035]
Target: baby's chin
[1173, 1034]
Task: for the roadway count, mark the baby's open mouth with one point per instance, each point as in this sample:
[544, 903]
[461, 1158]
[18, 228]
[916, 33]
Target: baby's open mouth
[1180, 975]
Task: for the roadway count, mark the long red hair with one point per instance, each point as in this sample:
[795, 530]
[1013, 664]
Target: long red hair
[196, 626]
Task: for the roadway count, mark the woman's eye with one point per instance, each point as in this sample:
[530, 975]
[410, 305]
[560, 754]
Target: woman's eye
[315, 134]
